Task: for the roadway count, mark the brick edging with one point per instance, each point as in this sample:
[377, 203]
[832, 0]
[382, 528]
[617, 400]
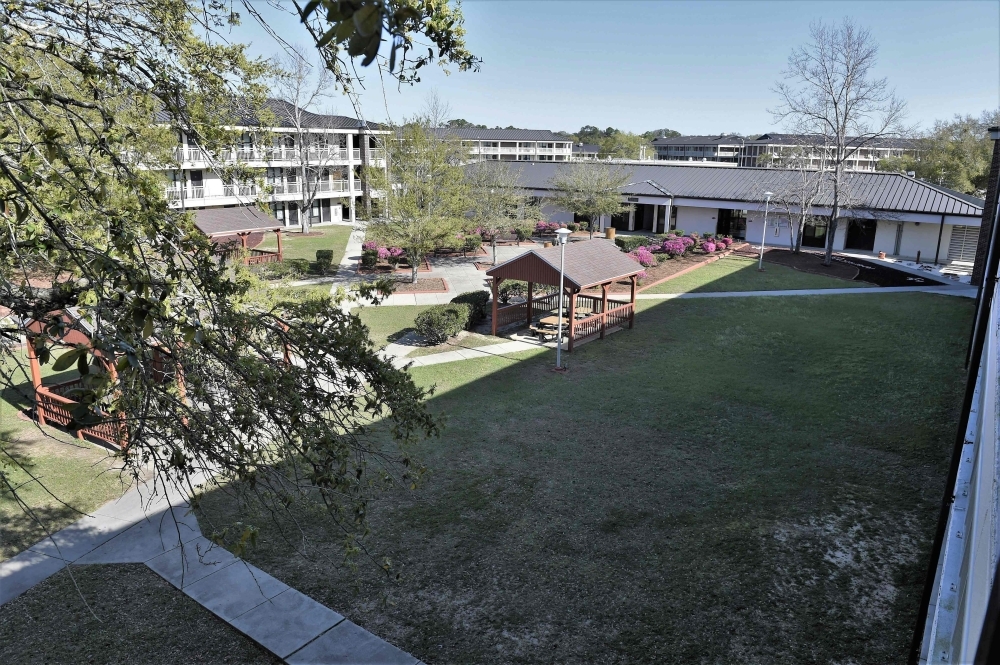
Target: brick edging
[712, 259]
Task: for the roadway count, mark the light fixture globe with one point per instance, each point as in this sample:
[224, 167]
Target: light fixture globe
[562, 236]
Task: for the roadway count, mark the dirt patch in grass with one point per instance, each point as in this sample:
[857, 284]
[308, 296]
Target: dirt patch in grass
[464, 340]
[140, 619]
[422, 285]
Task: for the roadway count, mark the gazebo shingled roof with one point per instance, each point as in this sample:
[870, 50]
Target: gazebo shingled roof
[588, 264]
[233, 221]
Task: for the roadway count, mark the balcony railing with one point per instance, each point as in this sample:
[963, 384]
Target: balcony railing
[239, 190]
[376, 154]
[196, 192]
[286, 188]
[357, 185]
[356, 154]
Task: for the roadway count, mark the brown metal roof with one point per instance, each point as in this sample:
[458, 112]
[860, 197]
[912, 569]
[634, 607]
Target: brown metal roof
[228, 221]
[588, 263]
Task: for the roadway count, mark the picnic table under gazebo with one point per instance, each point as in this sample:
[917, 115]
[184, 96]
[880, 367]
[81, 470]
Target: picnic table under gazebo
[589, 264]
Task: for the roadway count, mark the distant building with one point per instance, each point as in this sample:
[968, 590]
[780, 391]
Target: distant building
[330, 150]
[512, 145]
[585, 151]
[774, 149]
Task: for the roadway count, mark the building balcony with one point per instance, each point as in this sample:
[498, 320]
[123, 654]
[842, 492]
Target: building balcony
[376, 154]
[547, 151]
[356, 154]
[239, 190]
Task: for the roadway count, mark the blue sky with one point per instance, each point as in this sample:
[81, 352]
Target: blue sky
[697, 67]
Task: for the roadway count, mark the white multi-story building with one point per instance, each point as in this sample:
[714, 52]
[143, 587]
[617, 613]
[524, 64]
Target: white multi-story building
[319, 155]
[772, 149]
[512, 145]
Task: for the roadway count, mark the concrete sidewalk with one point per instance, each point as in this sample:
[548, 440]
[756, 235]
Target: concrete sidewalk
[160, 531]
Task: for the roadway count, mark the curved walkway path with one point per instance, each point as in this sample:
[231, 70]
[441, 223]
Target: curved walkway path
[159, 531]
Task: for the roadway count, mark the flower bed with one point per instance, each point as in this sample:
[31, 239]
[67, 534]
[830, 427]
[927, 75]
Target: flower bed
[664, 267]
[422, 285]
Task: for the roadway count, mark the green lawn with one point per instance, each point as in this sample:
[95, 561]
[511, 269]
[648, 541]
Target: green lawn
[735, 480]
[387, 324]
[140, 618]
[80, 475]
[295, 246]
[737, 273]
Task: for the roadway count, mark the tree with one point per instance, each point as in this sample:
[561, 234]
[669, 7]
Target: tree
[589, 190]
[954, 153]
[660, 133]
[795, 189]
[460, 123]
[498, 203]
[435, 112]
[624, 145]
[300, 89]
[196, 366]
[425, 192]
[829, 93]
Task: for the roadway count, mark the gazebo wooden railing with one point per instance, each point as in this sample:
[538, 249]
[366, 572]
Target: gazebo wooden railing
[253, 257]
[52, 406]
[518, 313]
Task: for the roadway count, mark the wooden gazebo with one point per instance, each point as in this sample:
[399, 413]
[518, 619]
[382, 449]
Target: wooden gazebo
[589, 264]
[229, 225]
[54, 403]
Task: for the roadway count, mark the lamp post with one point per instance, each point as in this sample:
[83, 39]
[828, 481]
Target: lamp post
[767, 203]
[562, 236]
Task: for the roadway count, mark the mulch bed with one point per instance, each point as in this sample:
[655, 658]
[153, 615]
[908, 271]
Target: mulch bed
[849, 268]
[482, 265]
[386, 269]
[425, 285]
[810, 263]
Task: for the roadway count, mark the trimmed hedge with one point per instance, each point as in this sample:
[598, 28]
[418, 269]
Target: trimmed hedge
[324, 259]
[439, 322]
[369, 258]
[631, 243]
[476, 302]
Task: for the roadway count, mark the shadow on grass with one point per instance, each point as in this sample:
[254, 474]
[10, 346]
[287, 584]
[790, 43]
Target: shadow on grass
[733, 480]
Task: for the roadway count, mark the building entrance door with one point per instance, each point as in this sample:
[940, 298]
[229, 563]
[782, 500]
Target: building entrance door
[860, 235]
[732, 223]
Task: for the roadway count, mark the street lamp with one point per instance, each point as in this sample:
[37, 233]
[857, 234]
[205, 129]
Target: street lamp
[767, 203]
[562, 236]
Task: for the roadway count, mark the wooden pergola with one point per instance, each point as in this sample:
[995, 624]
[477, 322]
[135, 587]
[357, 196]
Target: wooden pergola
[589, 264]
[225, 224]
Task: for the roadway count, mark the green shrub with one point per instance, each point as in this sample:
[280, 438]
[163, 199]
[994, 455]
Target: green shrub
[510, 288]
[522, 234]
[584, 226]
[573, 226]
[290, 268]
[324, 259]
[630, 243]
[439, 322]
[369, 258]
[679, 232]
[476, 302]
[472, 242]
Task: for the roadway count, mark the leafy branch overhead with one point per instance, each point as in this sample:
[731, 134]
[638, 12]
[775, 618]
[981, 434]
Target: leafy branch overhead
[359, 27]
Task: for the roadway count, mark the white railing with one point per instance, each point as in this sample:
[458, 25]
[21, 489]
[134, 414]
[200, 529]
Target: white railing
[376, 154]
[527, 151]
[239, 190]
[357, 185]
[968, 557]
[196, 192]
[546, 151]
[338, 186]
[172, 194]
[508, 151]
[355, 154]
[286, 188]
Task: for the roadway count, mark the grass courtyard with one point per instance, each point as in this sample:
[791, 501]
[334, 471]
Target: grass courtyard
[736, 480]
[739, 273]
[296, 246]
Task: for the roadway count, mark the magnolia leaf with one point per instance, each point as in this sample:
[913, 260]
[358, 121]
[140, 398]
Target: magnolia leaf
[368, 20]
[66, 360]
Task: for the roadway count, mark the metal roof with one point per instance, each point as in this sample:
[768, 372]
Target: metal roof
[587, 264]
[284, 112]
[230, 221]
[586, 148]
[471, 134]
[890, 192]
[715, 139]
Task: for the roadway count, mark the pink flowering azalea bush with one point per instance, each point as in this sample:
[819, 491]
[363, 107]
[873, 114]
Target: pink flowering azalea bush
[642, 275]
[672, 247]
[643, 256]
[396, 252]
[708, 246]
[383, 253]
[687, 241]
[371, 244]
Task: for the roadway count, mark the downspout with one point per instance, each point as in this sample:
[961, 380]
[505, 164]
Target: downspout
[937, 252]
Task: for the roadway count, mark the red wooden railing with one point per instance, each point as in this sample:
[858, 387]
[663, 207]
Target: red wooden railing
[258, 256]
[518, 312]
[54, 407]
[619, 314]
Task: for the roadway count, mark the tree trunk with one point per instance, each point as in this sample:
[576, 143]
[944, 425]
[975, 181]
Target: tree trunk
[831, 231]
[591, 225]
[494, 243]
[413, 272]
[802, 230]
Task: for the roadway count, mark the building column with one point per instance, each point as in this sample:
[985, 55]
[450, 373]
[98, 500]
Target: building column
[631, 316]
[277, 233]
[631, 218]
[656, 215]
[572, 319]
[495, 286]
[604, 308]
